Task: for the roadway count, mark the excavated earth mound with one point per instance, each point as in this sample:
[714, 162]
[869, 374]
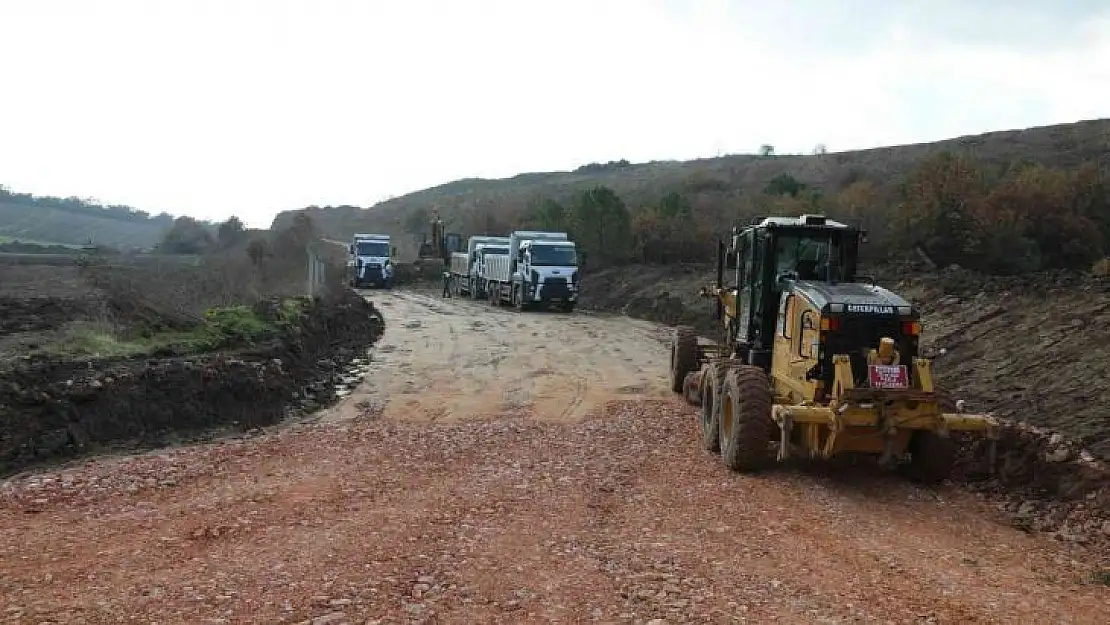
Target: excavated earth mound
[36, 314]
[53, 409]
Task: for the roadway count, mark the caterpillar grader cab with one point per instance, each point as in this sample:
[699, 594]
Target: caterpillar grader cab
[813, 359]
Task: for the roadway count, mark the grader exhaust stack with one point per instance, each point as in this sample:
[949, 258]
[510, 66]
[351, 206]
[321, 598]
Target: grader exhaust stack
[813, 360]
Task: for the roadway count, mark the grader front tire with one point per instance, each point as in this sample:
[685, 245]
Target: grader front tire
[684, 356]
[745, 419]
[931, 458]
[711, 407]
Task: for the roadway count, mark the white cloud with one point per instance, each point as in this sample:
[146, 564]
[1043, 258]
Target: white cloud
[251, 106]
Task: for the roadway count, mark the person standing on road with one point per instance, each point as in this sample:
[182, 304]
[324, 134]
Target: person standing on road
[446, 284]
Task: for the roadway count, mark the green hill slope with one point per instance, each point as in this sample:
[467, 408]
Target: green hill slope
[470, 205]
[76, 222]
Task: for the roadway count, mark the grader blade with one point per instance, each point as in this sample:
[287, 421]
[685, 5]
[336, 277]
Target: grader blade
[875, 422]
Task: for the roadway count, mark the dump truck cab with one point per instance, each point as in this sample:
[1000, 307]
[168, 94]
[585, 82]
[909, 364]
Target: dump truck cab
[370, 261]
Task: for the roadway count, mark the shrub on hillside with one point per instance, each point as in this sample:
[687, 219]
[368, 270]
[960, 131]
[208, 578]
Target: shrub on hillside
[1032, 218]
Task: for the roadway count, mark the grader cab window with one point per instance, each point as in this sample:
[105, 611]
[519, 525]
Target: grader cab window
[806, 255]
[741, 254]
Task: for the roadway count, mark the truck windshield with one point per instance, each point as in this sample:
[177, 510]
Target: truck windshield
[554, 256]
[373, 248]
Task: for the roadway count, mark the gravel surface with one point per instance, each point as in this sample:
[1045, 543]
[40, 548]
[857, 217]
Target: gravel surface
[615, 519]
[457, 359]
[609, 513]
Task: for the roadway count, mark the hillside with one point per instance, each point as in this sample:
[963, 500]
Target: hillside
[712, 184]
[72, 221]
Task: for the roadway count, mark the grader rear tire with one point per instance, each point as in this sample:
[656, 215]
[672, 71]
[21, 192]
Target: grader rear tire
[711, 406]
[684, 356]
[745, 419]
[931, 458]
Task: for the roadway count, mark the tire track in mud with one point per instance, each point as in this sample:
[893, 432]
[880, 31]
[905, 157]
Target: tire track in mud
[454, 359]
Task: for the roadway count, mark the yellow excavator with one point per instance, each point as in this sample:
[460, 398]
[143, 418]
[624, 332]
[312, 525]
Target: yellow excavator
[813, 359]
[442, 245]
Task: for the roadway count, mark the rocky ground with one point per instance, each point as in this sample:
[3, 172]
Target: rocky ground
[617, 518]
[490, 466]
[451, 487]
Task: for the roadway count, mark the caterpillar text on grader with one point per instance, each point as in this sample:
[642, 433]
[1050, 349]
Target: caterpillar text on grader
[813, 358]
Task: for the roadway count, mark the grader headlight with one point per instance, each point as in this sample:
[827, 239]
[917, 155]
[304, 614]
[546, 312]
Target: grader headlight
[830, 324]
[911, 328]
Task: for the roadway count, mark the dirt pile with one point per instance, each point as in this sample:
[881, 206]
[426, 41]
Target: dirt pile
[41, 313]
[661, 293]
[1030, 349]
[52, 409]
[418, 273]
[1041, 480]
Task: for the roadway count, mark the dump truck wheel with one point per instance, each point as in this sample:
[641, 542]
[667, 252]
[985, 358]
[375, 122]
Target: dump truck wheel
[684, 356]
[745, 419]
[711, 406]
[931, 458]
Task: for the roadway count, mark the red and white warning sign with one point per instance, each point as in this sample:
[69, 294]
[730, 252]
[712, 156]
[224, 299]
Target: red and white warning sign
[888, 376]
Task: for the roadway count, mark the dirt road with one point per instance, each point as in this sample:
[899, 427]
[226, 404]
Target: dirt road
[542, 512]
[456, 359]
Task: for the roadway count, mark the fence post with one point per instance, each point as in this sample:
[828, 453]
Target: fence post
[310, 268]
[315, 272]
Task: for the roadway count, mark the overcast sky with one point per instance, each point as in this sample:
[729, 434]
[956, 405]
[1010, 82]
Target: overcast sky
[248, 107]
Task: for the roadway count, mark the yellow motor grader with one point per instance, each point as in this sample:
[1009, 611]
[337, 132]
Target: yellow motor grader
[814, 360]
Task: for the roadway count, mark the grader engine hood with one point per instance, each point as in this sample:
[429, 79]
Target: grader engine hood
[856, 298]
[856, 318]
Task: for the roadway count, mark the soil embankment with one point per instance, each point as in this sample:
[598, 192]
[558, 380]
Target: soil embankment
[53, 408]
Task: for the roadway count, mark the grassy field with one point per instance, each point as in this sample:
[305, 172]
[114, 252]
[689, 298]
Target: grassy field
[28, 223]
[8, 239]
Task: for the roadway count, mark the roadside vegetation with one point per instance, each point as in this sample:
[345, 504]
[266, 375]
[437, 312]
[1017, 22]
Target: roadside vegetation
[950, 210]
[235, 290]
[221, 328]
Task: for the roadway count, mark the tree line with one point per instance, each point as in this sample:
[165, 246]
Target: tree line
[950, 209]
[191, 236]
[86, 206]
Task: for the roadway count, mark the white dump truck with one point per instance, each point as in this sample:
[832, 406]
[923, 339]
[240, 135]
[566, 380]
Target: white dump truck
[540, 270]
[370, 261]
[467, 268]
